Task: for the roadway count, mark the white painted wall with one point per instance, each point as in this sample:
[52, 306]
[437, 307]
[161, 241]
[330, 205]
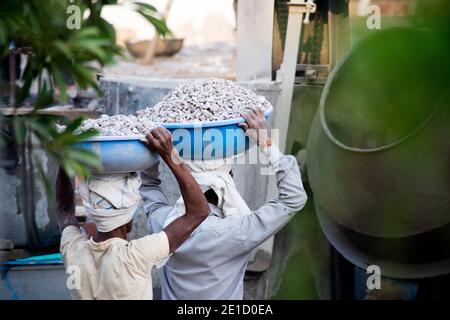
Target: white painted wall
[198, 21]
[254, 40]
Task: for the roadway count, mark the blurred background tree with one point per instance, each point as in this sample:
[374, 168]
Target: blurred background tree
[56, 54]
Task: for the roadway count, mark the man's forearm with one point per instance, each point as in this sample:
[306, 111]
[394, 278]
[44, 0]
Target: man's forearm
[159, 139]
[180, 229]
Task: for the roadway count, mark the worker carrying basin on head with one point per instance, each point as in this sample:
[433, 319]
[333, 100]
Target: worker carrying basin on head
[211, 263]
[106, 264]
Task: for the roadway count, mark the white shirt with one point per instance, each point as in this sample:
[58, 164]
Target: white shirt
[112, 269]
[211, 263]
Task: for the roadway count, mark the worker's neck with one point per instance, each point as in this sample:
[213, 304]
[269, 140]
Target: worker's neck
[120, 232]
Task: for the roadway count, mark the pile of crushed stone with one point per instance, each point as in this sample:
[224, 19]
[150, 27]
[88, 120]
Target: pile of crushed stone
[204, 100]
[118, 125]
[197, 101]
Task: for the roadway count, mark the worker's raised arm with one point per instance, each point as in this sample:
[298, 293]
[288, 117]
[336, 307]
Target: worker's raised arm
[272, 216]
[197, 209]
[65, 206]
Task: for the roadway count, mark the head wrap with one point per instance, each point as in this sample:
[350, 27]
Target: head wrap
[111, 200]
[215, 175]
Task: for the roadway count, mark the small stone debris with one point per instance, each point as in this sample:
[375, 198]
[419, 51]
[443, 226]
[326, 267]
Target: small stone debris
[197, 101]
[118, 125]
[204, 101]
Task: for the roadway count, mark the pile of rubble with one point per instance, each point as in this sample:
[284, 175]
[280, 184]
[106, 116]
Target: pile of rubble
[197, 101]
[118, 125]
[204, 100]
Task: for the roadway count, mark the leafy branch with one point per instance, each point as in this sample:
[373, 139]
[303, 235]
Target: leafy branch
[56, 56]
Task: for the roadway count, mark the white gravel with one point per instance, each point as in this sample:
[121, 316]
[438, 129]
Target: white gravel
[197, 101]
[202, 101]
[118, 125]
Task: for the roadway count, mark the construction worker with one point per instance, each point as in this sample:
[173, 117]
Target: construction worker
[106, 264]
[212, 262]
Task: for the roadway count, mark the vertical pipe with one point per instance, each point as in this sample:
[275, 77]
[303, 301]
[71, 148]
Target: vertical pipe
[288, 69]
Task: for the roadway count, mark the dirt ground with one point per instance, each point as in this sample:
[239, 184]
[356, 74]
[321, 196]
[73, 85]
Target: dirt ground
[216, 60]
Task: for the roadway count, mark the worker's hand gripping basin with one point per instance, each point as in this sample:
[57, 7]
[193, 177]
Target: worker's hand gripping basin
[194, 141]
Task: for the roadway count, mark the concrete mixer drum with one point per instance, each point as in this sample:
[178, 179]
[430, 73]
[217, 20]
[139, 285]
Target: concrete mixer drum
[378, 151]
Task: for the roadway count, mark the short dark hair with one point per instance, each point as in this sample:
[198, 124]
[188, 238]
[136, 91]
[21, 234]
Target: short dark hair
[211, 197]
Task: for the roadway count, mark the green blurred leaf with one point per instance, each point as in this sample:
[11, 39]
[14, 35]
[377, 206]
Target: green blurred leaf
[63, 48]
[44, 98]
[73, 168]
[72, 126]
[60, 83]
[159, 25]
[61, 55]
[24, 91]
[93, 49]
[20, 130]
[41, 130]
[85, 156]
[86, 135]
[83, 75]
[68, 167]
[67, 138]
[145, 6]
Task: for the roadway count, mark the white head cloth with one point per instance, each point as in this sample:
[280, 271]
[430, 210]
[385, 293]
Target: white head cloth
[215, 174]
[111, 200]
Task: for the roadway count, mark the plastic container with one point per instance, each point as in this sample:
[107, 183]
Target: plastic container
[120, 154]
[210, 140]
[194, 141]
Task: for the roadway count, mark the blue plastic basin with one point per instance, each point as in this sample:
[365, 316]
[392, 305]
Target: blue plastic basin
[194, 141]
[120, 154]
[210, 140]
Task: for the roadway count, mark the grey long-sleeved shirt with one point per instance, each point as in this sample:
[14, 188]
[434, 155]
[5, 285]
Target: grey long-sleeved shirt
[211, 263]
